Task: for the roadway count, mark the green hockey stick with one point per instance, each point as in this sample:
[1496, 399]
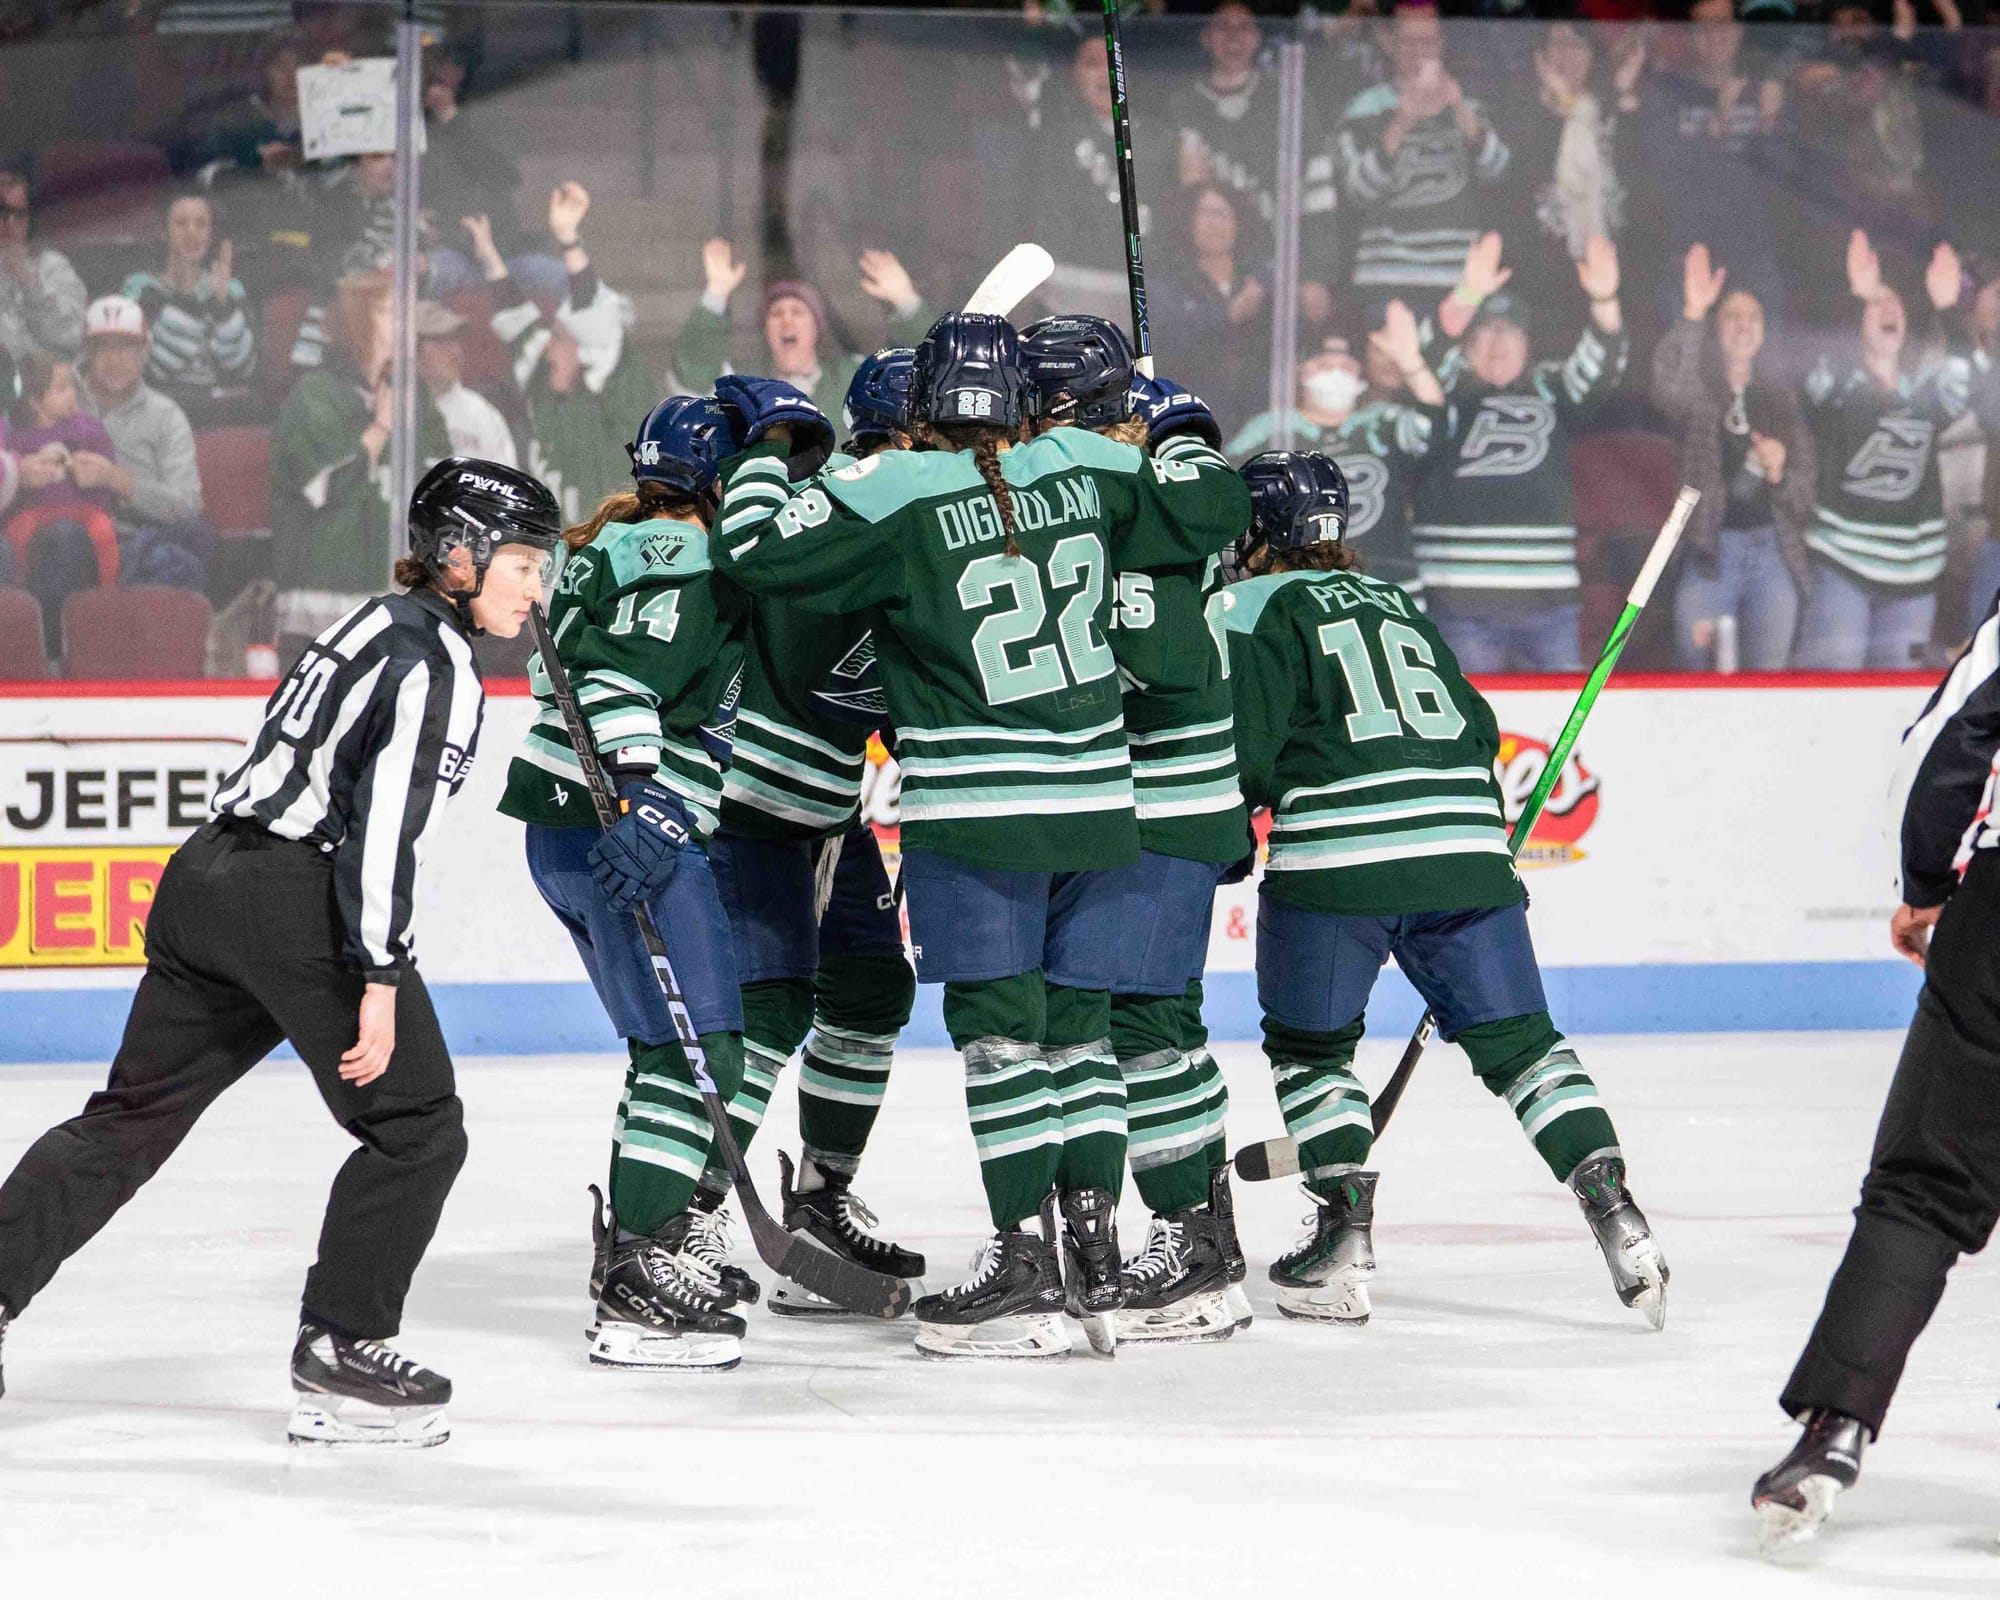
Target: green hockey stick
[1279, 1158]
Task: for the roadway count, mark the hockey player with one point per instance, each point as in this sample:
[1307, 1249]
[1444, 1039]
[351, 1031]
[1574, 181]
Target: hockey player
[1932, 1191]
[792, 837]
[1495, 521]
[991, 561]
[1375, 756]
[649, 646]
[1876, 538]
[286, 918]
[1192, 829]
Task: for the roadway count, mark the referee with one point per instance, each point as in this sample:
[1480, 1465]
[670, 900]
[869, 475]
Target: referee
[1933, 1187]
[288, 917]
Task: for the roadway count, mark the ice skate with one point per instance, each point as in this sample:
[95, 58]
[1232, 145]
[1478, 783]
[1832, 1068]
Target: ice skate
[1638, 1270]
[709, 1243]
[1093, 1287]
[6, 1317]
[1797, 1495]
[1325, 1276]
[1177, 1287]
[360, 1392]
[834, 1216]
[656, 1311]
[1222, 1207]
[1010, 1309]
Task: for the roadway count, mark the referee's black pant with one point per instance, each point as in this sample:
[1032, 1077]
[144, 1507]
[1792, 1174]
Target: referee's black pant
[1933, 1184]
[242, 951]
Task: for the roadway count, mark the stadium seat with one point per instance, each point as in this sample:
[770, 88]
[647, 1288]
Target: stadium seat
[141, 632]
[103, 533]
[100, 189]
[235, 466]
[21, 636]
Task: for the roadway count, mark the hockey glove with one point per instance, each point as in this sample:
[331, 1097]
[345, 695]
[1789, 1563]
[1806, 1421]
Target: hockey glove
[1169, 410]
[634, 861]
[758, 405]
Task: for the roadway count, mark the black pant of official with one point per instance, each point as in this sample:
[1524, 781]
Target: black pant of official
[242, 951]
[1933, 1185]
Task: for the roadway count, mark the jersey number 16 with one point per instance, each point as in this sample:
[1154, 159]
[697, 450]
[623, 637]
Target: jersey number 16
[1421, 696]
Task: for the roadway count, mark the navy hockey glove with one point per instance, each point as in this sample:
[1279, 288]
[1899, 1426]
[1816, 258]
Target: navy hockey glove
[1169, 409]
[758, 405]
[635, 859]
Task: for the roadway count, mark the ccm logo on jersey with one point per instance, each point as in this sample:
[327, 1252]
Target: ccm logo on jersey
[453, 764]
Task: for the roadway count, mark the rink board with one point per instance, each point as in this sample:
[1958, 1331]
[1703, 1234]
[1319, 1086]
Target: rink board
[1716, 856]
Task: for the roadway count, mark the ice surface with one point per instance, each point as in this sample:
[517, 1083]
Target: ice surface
[1502, 1428]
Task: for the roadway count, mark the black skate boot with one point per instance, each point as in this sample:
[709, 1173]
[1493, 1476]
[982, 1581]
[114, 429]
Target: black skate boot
[657, 1311]
[1010, 1309]
[6, 1317]
[1177, 1288]
[1222, 1207]
[1797, 1495]
[1093, 1287]
[834, 1216]
[1638, 1270]
[357, 1391]
[603, 1229]
[1324, 1277]
[709, 1243]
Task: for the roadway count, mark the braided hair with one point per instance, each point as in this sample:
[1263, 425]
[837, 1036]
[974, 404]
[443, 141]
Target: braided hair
[984, 443]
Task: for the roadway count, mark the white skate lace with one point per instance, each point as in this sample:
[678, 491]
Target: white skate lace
[1161, 1257]
[985, 1262]
[705, 1249]
[686, 1275]
[856, 1220]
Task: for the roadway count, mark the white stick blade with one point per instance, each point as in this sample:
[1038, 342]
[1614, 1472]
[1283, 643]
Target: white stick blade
[1017, 274]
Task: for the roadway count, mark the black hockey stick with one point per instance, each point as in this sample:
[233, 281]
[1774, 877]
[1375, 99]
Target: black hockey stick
[1279, 1158]
[1128, 189]
[791, 1255]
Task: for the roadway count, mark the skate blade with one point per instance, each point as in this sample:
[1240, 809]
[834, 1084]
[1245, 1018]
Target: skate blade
[1343, 1303]
[1101, 1329]
[1780, 1527]
[1238, 1301]
[1039, 1336]
[1199, 1319]
[1649, 1296]
[327, 1420]
[634, 1349]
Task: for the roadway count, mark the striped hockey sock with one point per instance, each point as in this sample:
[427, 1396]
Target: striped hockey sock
[660, 1141]
[1324, 1105]
[1175, 1117]
[860, 1006]
[1528, 1064]
[775, 1016]
[1017, 1125]
[1077, 1043]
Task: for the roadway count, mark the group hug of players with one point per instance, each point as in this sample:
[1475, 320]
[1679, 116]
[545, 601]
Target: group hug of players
[1013, 572]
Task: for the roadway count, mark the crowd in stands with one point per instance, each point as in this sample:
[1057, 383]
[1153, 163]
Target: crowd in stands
[1544, 273]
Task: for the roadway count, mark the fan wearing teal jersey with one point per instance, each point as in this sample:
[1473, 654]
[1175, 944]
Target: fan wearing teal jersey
[1375, 757]
[990, 562]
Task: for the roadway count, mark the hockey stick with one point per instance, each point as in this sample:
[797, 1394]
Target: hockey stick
[1015, 276]
[788, 1254]
[1279, 1158]
[1128, 190]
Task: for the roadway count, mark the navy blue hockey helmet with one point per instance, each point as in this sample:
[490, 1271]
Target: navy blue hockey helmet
[1081, 367]
[1298, 498]
[682, 445]
[877, 405]
[477, 506]
[968, 371]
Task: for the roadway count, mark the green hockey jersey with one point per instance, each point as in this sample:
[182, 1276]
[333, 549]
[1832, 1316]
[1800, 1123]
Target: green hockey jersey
[1179, 725]
[651, 642]
[1375, 756]
[1000, 682]
[808, 703]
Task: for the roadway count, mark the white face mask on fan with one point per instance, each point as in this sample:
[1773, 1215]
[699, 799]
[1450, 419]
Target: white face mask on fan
[1335, 389]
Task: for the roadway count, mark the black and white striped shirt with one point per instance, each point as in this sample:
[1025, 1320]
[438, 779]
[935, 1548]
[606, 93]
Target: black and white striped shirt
[1945, 782]
[361, 746]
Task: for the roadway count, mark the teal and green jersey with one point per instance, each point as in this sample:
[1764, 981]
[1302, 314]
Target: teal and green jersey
[807, 706]
[1179, 725]
[651, 642]
[1356, 728]
[997, 670]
